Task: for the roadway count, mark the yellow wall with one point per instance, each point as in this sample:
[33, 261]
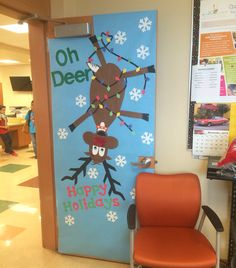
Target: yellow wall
[10, 97]
[172, 92]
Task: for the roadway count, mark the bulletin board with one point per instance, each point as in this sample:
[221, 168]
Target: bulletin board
[213, 77]
[103, 112]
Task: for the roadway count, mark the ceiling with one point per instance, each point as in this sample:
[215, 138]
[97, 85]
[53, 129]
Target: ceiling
[12, 45]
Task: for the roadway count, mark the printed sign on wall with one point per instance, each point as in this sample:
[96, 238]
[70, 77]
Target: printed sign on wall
[213, 73]
[103, 109]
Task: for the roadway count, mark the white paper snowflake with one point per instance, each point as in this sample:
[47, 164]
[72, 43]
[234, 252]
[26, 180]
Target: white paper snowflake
[92, 173]
[62, 133]
[120, 161]
[145, 24]
[69, 220]
[80, 100]
[147, 138]
[132, 193]
[142, 52]
[135, 94]
[112, 216]
[120, 37]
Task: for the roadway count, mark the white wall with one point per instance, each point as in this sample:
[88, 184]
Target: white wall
[172, 92]
[10, 97]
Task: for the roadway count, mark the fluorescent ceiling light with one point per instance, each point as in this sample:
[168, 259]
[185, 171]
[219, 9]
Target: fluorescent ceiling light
[16, 28]
[9, 61]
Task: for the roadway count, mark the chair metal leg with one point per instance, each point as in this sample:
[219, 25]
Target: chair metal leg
[218, 249]
[131, 248]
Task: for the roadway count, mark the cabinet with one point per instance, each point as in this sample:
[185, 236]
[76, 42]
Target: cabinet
[214, 173]
[19, 138]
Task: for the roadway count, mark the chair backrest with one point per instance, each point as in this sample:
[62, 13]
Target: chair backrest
[168, 200]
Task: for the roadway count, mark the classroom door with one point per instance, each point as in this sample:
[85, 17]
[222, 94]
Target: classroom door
[103, 113]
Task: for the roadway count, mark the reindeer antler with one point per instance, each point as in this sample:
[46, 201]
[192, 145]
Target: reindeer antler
[108, 176]
[112, 182]
[98, 51]
[74, 177]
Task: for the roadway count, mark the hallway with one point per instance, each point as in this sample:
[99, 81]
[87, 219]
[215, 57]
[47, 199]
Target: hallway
[20, 229]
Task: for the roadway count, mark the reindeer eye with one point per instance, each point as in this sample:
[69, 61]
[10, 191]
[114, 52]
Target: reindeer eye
[101, 151]
[94, 150]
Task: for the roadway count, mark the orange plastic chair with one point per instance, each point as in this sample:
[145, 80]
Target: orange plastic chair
[167, 209]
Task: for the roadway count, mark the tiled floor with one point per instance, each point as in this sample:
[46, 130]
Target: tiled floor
[20, 229]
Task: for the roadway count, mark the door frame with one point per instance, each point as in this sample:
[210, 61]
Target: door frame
[39, 32]
[42, 105]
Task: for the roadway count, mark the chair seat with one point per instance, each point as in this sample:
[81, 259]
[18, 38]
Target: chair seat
[173, 247]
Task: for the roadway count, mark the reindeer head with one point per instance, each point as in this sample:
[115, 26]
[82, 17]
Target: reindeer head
[99, 144]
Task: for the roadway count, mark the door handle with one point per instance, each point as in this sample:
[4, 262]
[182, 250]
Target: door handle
[145, 162]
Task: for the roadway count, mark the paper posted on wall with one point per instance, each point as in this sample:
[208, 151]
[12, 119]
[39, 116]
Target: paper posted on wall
[210, 143]
[206, 83]
[211, 129]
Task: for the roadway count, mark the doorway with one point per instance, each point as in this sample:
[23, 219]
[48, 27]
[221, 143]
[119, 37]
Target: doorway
[22, 10]
[19, 194]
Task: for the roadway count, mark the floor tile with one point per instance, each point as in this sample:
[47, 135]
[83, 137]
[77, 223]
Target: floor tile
[11, 168]
[4, 205]
[8, 232]
[34, 182]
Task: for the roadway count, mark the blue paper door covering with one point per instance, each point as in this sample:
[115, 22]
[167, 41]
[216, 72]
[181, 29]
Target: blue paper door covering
[103, 111]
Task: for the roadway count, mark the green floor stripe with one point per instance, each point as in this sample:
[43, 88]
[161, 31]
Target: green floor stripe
[11, 168]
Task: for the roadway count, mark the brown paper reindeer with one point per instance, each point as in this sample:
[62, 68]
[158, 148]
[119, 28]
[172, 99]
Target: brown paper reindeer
[107, 92]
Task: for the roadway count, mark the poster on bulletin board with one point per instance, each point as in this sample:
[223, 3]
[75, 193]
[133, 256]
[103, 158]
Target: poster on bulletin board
[213, 76]
[103, 111]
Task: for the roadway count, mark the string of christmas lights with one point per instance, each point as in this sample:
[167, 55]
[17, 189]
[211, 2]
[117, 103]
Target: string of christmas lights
[93, 108]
